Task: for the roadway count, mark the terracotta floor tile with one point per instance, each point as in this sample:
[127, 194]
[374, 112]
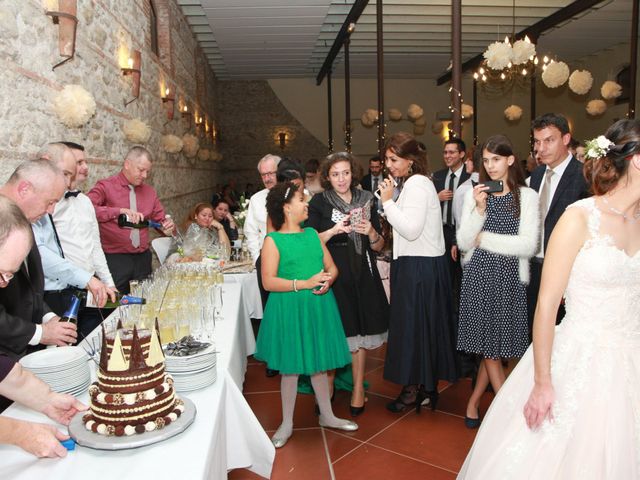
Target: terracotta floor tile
[303, 457]
[339, 444]
[268, 410]
[434, 437]
[377, 384]
[372, 463]
[372, 363]
[378, 353]
[375, 417]
[454, 398]
[243, 474]
[256, 381]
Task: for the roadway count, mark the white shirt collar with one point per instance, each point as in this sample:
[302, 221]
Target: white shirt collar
[560, 168]
[458, 172]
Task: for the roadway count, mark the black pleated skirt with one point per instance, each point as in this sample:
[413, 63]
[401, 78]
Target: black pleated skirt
[422, 337]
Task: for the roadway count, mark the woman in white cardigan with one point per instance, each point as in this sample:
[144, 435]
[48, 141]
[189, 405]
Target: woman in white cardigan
[421, 342]
[499, 233]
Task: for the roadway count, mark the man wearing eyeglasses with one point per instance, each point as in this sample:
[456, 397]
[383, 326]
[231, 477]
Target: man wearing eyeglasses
[255, 226]
[25, 319]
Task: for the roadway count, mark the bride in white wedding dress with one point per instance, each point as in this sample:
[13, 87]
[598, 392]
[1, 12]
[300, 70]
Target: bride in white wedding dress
[571, 407]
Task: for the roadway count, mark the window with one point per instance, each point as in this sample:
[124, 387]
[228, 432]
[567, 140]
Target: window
[153, 20]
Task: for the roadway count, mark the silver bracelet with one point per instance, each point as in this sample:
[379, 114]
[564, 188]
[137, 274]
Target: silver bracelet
[295, 285]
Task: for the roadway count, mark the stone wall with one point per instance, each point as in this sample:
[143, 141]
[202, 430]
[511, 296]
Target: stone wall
[250, 116]
[107, 31]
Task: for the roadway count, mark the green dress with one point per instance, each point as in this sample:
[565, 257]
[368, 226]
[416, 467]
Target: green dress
[300, 332]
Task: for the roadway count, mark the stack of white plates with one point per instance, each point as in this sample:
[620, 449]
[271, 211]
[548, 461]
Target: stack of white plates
[65, 369]
[194, 371]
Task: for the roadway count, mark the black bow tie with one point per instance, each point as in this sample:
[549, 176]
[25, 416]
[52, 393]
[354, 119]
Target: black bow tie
[72, 193]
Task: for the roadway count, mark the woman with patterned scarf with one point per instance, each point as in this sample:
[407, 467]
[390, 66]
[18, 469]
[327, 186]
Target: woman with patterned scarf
[346, 219]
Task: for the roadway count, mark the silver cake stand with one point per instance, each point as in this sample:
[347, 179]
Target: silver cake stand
[87, 438]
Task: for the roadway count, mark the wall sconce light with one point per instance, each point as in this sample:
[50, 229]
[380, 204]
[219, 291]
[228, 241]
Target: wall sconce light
[184, 111]
[282, 139]
[168, 100]
[133, 69]
[67, 23]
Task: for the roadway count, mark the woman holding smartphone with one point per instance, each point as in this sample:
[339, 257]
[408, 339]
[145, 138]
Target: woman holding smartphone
[499, 233]
[421, 345]
[347, 221]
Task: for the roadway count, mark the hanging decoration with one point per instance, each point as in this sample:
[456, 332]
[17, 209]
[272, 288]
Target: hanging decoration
[190, 145]
[467, 111]
[136, 131]
[436, 127]
[414, 112]
[556, 74]
[610, 90]
[580, 82]
[74, 106]
[596, 107]
[395, 115]
[204, 154]
[513, 113]
[171, 143]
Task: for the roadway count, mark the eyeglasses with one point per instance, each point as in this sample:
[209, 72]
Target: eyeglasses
[268, 174]
[6, 277]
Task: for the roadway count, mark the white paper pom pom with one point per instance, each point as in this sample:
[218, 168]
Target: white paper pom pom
[136, 131]
[418, 130]
[395, 114]
[414, 112]
[204, 155]
[372, 114]
[190, 145]
[171, 143]
[436, 127]
[498, 55]
[467, 110]
[513, 113]
[74, 106]
[420, 122]
[366, 121]
[555, 74]
[596, 107]
[580, 81]
[522, 52]
[610, 90]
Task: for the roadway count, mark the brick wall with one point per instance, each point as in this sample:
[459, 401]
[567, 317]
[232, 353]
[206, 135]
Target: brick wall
[107, 30]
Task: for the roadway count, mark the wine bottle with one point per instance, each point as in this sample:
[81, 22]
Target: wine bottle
[123, 222]
[124, 300]
[71, 315]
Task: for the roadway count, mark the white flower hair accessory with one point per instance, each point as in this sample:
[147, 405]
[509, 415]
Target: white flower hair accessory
[598, 147]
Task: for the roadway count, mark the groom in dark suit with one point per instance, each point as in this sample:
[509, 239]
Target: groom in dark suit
[559, 182]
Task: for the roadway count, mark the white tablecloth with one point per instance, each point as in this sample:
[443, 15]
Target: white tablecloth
[250, 291]
[224, 436]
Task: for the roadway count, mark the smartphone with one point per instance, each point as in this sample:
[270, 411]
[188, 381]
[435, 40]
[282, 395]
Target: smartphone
[494, 185]
[377, 192]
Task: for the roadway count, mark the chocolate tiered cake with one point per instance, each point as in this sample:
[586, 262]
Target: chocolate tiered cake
[133, 393]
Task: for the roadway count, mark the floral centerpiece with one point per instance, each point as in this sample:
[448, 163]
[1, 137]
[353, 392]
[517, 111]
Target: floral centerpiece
[241, 215]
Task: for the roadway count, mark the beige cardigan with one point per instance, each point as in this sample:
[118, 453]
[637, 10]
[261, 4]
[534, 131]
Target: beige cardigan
[524, 245]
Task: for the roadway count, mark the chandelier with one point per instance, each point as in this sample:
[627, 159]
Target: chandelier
[506, 61]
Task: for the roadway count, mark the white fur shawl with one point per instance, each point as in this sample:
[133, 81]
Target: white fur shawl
[524, 245]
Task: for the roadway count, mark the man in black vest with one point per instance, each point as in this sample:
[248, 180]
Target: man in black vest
[559, 182]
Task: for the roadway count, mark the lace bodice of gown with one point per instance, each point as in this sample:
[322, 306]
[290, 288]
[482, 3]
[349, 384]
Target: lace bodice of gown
[603, 293]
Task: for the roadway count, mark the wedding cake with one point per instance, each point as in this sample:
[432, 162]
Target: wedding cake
[133, 393]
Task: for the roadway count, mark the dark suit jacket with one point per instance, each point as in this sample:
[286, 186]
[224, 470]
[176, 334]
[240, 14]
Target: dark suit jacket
[440, 177]
[572, 187]
[22, 306]
[365, 183]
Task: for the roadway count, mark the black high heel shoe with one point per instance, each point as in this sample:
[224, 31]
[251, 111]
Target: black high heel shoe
[355, 411]
[433, 399]
[408, 398]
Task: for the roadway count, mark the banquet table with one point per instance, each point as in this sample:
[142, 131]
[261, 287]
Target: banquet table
[250, 291]
[225, 434]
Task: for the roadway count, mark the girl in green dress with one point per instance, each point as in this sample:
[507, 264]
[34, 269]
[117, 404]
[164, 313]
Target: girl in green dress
[301, 331]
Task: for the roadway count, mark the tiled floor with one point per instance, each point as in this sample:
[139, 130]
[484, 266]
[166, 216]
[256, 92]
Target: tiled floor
[431, 445]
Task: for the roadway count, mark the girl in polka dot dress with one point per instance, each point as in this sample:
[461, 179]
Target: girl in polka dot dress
[499, 233]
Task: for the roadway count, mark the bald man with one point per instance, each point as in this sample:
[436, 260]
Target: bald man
[25, 319]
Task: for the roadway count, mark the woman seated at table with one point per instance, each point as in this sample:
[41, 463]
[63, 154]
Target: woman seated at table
[222, 215]
[301, 331]
[202, 233]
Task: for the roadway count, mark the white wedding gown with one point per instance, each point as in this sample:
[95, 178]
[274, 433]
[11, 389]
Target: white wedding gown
[595, 371]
